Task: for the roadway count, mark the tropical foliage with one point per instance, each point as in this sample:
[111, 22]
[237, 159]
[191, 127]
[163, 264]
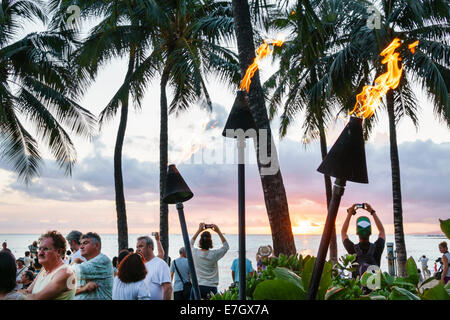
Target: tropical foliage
[37, 89]
[287, 278]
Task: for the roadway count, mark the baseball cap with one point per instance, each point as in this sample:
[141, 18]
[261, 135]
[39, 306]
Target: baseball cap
[363, 227]
[74, 235]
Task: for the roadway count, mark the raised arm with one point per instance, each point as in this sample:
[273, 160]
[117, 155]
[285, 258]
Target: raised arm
[381, 233]
[201, 227]
[159, 246]
[216, 229]
[350, 212]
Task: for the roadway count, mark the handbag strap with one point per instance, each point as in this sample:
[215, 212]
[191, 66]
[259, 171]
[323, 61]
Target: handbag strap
[178, 271]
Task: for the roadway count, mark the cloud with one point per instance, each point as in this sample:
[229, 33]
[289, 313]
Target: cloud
[424, 178]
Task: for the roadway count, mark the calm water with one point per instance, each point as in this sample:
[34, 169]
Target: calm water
[416, 245]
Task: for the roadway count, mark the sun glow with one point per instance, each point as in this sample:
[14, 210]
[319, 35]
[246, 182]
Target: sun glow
[306, 227]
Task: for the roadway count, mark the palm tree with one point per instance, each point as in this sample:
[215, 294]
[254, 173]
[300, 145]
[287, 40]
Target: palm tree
[186, 48]
[119, 33]
[426, 21]
[303, 78]
[179, 38]
[36, 86]
[273, 187]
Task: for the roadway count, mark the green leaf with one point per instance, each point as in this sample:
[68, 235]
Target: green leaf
[277, 289]
[325, 280]
[335, 293]
[377, 297]
[436, 293]
[387, 279]
[411, 268]
[430, 279]
[288, 275]
[445, 227]
[402, 282]
[402, 294]
[307, 271]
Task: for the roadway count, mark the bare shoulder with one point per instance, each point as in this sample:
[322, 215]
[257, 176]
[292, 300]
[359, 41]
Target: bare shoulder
[64, 273]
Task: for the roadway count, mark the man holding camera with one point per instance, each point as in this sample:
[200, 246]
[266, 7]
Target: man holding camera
[367, 253]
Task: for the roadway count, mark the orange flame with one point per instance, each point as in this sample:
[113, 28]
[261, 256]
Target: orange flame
[412, 46]
[370, 97]
[263, 51]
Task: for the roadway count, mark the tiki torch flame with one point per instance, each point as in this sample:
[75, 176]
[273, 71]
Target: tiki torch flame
[370, 97]
[412, 46]
[263, 51]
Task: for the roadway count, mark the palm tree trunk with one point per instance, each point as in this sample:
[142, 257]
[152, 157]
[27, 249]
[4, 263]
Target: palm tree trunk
[396, 190]
[122, 226]
[328, 191]
[163, 159]
[273, 187]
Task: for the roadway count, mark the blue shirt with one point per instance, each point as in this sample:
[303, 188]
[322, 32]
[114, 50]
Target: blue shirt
[183, 267]
[235, 268]
[98, 270]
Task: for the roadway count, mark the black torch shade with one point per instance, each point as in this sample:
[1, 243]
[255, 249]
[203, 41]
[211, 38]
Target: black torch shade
[176, 188]
[346, 160]
[240, 116]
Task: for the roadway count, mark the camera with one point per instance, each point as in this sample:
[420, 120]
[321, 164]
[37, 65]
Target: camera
[208, 226]
[360, 205]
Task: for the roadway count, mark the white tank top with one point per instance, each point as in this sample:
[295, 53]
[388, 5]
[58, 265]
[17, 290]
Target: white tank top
[43, 279]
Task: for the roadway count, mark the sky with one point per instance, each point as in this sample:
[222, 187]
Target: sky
[85, 201]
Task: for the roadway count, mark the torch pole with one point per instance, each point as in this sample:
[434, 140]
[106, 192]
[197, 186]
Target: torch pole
[241, 217]
[187, 246]
[338, 191]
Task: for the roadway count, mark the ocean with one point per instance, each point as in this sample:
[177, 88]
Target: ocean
[416, 246]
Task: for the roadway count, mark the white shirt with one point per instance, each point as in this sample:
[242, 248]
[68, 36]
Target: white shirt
[27, 261]
[19, 276]
[205, 263]
[424, 262]
[158, 272]
[130, 291]
[76, 254]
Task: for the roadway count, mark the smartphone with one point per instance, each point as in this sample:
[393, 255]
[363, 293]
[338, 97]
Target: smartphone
[360, 205]
[208, 226]
[153, 234]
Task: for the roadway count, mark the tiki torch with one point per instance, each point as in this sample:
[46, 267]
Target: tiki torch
[346, 161]
[177, 191]
[239, 125]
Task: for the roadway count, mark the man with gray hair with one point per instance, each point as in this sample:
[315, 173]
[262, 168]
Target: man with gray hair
[182, 283]
[96, 274]
[73, 239]
[158, 273]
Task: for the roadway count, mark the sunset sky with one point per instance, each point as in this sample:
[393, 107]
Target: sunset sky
[85, 201]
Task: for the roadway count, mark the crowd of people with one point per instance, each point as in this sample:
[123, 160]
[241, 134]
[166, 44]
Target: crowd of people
[50, 271]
